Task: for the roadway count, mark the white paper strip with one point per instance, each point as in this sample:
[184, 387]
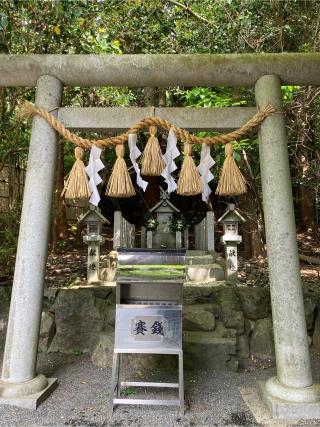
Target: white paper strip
[134, 154]
[206, 162]
[171, 153]
[94, 166]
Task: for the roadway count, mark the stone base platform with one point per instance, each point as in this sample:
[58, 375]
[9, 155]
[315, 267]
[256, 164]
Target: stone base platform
[282, 409]
[33, 400]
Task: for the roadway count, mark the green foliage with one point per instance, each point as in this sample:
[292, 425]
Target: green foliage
[208, 97]
[9, 227]
[178, 222]
[151, 221]
[289, 92]
[128, 391]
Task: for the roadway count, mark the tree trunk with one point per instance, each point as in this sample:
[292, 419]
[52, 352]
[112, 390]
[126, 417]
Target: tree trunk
[306, 208]
[306, 199]
[252, 241]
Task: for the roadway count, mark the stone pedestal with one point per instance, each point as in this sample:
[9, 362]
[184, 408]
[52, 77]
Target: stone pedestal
[186, 238]
[149, 239]
[30, 398]
[178, 240]
[289, 409]
[19, 384]
[231, 256]
[143, 237]
[93, 261]
[93, 266]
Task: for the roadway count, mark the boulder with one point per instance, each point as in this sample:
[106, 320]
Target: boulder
[210, 350]
[197, 293]
[243, 350]
[49, 298]
[255, 302]
[80, 318]
[231, 314]
[309, 309]
[102, 354]
[146, 365]
[248, 326]
[105, 292]
[47, 330]
[316, 333]
[110, 315]
[261, 341]
[198, 318]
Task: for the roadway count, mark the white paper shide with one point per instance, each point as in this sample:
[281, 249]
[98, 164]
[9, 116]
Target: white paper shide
[171, 153]
[206, 162]
[135, 153]
[95, 165]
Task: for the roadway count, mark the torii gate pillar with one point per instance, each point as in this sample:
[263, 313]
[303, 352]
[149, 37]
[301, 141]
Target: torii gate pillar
[291, 394]
[20, 385]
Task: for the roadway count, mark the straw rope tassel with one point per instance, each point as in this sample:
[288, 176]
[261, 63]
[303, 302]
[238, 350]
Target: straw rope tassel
[189, 183]
[231, 182]
[152, 163]
[120, 184]
[76, 186]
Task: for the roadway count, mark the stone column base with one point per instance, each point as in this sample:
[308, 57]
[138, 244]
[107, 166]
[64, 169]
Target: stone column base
[28, 401]
[288, 410]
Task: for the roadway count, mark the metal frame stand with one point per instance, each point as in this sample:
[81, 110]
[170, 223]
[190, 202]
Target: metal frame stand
[148, 317]
[117, 384]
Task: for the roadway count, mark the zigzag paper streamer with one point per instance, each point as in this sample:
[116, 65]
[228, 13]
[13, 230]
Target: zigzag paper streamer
[206, 162]
[94, 166]
[134, 154]
[171, 153]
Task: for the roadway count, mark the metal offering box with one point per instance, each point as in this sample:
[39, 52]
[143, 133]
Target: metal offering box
[148, 314]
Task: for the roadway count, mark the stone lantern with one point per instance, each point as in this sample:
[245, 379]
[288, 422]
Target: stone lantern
[93, 220]
[231, 239]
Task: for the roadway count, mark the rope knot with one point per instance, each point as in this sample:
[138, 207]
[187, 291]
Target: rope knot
[229, 149]
[153, 130]
[120, 150]
[187, 149]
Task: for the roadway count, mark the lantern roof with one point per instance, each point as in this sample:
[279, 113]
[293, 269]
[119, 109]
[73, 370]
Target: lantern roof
[231, 214]
[93, 214]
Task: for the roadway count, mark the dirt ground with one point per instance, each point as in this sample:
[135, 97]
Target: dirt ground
[213, 398]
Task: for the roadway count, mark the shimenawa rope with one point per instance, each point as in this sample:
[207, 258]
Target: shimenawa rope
[29, 110]
[231, 180]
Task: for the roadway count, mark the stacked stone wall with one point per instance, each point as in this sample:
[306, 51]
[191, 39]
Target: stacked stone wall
[224, 328]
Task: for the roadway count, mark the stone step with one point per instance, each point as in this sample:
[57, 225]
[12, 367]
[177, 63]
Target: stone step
[210, 350]
[192, 252]
[204, 257]
[199, 259]
[205, 272]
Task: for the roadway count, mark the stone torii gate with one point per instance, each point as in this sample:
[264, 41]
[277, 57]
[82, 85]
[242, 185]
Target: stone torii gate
[291, 394]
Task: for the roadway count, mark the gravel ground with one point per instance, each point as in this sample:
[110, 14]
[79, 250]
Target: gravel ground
[81, 398]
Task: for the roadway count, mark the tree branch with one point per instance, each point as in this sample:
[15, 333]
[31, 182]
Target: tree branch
[189, 10]
[309, 259]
